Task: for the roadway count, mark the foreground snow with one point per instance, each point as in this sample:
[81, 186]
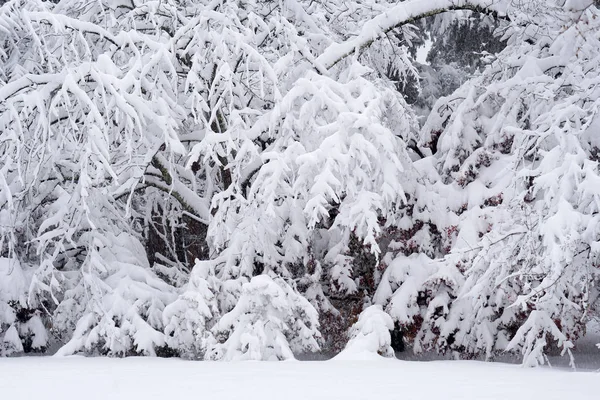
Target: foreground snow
[150, 378]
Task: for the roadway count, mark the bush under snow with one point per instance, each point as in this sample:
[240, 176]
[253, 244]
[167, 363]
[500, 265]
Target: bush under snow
[370, 334]
[270, 322]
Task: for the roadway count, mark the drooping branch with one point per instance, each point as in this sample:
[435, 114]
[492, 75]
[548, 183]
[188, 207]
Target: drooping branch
[403, 14]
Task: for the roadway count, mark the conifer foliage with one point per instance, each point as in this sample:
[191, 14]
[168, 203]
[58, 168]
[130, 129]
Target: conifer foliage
[240, 179]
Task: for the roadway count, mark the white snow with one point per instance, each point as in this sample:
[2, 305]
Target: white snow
[422, 52]
[12, 280]
[150, 378]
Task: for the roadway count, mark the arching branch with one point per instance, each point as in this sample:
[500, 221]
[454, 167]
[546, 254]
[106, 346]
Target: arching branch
[402, 14]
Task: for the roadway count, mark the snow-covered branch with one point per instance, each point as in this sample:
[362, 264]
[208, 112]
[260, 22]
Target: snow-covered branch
[402, 14]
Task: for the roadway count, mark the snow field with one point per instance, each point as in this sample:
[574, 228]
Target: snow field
[78, 378]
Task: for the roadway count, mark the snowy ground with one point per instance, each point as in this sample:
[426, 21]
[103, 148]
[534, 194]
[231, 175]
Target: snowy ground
[170, 379]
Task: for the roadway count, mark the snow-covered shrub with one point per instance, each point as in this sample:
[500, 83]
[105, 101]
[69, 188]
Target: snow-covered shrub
[12, 291]
[271, 321]
[21, 328]
[188, 319]
[117, 304]
[11, 341]
[371, 334]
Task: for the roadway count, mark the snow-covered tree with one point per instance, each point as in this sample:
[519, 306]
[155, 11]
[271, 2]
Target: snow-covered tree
[87, 102]
[516, 161]
[266, 139]
[270, 322]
